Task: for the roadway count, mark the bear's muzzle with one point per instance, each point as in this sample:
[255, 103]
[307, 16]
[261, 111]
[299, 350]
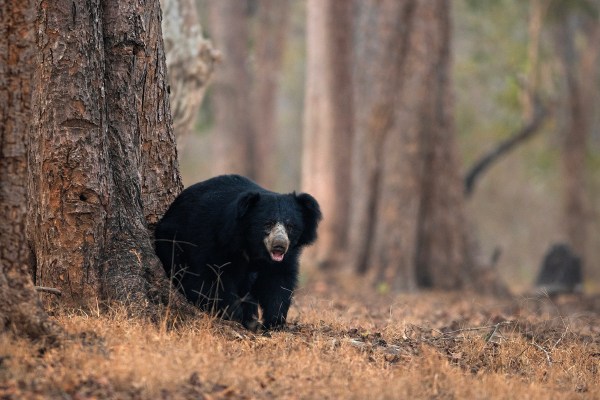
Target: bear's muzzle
[277, 242]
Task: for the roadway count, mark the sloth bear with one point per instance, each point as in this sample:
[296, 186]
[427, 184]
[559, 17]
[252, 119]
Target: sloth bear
[231, 246]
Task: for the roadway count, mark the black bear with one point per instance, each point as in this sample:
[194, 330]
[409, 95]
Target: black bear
[230, 246]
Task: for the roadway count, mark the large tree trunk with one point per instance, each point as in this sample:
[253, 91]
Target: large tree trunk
[190, 62]
[328, 123]
[231, 89]
[17, 33]
[407, 214]
[102, 157]
[20, 308]
[269, 40]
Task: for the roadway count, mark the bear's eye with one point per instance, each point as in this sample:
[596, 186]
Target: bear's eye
[269, 225]
[289, 228]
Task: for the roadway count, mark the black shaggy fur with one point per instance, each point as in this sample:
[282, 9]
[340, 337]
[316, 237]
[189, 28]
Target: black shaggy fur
[211, 242]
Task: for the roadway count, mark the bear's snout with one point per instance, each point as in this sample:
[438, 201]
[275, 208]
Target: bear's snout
[277, 242]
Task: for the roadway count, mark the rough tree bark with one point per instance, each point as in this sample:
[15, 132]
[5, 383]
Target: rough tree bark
[328, 124]
[102, 157]
[20, 308]
[407, 222]
[190, 62]
[231, 89]
[269, 44]
[16, 67]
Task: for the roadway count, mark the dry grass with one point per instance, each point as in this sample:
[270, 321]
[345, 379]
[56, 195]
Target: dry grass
[337, 346]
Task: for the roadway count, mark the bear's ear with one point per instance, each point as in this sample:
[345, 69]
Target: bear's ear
[245, 202]
[311, 215]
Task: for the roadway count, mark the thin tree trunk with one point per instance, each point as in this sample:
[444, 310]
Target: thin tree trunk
[328, 124]
[102, 157]
[580, 73]
[231, 89]
[537, 13]
[269, 38]
[573, 166]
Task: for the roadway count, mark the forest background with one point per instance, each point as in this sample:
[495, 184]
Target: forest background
[503, 53]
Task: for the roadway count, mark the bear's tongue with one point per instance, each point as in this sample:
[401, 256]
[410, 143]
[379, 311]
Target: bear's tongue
[277, 255]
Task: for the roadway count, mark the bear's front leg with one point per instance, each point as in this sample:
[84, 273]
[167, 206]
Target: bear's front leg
[230, 306]
[248, 302]
[239, 309]
[250, 313]
[234, 300]
[274, 294]
[227, 303]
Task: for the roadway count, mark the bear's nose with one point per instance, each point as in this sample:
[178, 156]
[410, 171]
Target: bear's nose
[280, 244]
[277, 242]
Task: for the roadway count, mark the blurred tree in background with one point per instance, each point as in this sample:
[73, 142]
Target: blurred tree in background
[329, 124]
[190, 63]
[233, 139]
[269, 30]
[250, 35]
[406, 222]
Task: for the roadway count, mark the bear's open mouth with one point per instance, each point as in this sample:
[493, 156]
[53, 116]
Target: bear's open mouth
[277, 253]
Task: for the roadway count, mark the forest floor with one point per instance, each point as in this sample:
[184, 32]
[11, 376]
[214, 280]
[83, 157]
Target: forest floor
[343, 341]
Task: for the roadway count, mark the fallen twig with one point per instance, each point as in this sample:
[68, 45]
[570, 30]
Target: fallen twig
[548, 358]
[48, 290]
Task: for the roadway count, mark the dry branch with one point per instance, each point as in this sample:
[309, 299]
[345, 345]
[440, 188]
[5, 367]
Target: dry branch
[486, 161]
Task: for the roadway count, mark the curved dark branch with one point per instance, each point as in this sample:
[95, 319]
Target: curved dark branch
[526, 132]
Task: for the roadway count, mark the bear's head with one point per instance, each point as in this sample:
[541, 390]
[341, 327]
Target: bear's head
[269, 225]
